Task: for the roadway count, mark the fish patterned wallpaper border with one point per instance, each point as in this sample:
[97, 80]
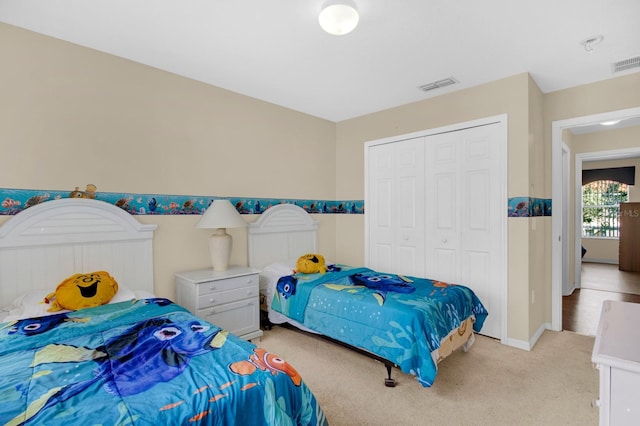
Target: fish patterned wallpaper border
[529, 207]
[16, 200]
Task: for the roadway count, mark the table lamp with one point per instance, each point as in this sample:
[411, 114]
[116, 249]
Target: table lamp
[220, 214]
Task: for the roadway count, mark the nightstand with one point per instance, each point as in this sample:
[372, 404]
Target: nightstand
[616, 353]
[228, 299]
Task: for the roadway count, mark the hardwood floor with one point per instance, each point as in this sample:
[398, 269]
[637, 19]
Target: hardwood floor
[600, 282]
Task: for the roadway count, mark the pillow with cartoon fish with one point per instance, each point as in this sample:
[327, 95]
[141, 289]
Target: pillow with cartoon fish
[83, 291]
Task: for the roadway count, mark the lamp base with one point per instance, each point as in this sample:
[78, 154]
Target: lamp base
[220, 249]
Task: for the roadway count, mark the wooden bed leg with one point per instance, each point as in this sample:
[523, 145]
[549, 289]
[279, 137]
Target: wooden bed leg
[389, 382]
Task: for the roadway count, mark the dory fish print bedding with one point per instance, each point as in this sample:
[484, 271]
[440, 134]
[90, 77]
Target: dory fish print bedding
[401, 319]
[143, 362]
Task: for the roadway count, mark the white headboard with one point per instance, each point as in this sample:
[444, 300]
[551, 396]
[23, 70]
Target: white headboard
[282, 232]
[48, 242]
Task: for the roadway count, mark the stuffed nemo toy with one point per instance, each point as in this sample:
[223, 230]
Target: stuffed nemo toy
[82, 291]
[310, 264]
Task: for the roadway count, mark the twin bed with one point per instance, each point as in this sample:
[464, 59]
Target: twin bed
[136, 360]
[410, 322]
[142, 359]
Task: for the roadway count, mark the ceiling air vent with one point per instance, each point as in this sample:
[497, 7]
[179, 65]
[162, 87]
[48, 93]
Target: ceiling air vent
[627, 64]
[438, 84]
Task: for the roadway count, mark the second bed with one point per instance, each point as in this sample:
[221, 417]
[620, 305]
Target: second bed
[410, 322]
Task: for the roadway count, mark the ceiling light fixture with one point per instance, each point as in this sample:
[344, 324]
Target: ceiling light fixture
[339, 17]
[610, 123]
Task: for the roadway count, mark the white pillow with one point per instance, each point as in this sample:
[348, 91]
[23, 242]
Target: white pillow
[142, 294]
[281, 269]
[123, 294]
[29, 304]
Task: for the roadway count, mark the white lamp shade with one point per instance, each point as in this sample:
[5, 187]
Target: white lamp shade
[221, 214]
[339, 18]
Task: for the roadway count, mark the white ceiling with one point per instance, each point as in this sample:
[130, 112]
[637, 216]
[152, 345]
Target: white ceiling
[275, 50]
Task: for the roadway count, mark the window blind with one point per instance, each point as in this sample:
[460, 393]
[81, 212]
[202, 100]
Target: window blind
[619, 174]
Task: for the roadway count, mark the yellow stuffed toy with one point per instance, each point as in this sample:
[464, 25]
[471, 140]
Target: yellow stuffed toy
[83, 291]
[310, 264]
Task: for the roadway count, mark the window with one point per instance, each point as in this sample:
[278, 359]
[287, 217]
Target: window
[600, 208]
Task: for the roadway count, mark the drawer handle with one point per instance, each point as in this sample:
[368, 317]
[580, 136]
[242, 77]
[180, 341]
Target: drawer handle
[212, 300]
[212, 287]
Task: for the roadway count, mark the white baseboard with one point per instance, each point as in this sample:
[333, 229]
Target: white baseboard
[591, 260]
[527, 346]
[571, 290]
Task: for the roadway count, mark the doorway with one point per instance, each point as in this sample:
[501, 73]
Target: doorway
[561, 203]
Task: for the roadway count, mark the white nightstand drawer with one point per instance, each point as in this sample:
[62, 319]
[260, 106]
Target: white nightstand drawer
[238, 317]
[229, 299]
[220, 297]
[616, 353]
[227, 284]
[624, 404]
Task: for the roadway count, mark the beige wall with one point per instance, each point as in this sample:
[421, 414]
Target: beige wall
[609, 140]
[609, 95]
[72, 116]
[539, 270]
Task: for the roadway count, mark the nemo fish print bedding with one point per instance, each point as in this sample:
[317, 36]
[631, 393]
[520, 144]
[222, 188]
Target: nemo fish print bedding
[145, 361]
[401, 319]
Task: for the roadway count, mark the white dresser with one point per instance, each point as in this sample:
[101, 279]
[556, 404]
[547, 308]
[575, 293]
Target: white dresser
[616, 353]
[228, 299]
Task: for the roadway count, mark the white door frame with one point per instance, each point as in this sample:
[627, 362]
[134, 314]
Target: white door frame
[558, 203]
[566, 169]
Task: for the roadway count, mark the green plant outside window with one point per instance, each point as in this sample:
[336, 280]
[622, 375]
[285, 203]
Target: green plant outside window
[601, 208]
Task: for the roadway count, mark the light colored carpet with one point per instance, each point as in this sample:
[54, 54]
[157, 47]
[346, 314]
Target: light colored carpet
[492, 384]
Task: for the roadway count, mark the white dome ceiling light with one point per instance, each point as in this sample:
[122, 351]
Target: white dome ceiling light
[339, 17]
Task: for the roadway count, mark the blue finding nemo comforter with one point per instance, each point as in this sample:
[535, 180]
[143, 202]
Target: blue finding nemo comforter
[401, 319]
[145, 361]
